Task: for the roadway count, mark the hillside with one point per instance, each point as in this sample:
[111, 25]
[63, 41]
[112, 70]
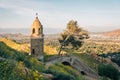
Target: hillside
[14, 58]
[114, 33]
[15, 46]
[26, 47]
[17, 65]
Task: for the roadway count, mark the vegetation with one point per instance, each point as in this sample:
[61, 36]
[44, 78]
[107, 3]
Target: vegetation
[62, 72]
[89, 60]
[108, 70]
[15, 65]
[16, 46]
[72, 36]
[49, 50]
[115, 57]
[94, 47]
[103, 68]
[107, 50]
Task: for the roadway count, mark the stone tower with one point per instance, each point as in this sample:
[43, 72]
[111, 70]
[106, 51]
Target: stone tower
[37, 39]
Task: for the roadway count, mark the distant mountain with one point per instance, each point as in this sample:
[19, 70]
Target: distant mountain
[115, 33]
[27, 30]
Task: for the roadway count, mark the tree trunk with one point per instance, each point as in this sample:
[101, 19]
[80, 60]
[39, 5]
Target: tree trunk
[62, 45]
[60, 50]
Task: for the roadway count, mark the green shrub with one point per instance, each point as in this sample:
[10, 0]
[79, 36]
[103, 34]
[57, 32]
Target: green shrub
[8, 71]
[62, 72]
[108, 71]
[61, 76]
[15, 65]
[5, 51]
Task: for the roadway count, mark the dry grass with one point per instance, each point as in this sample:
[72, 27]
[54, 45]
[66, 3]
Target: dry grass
[26, 47]
[15, 46]
[50, 50]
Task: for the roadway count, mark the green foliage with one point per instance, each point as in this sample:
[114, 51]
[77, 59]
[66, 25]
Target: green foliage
[73, 35]
[37, 76]
[15, 65]
[62, 76]
[62, 72]
[5, 70]
[88, 59]
[115, 57]
[108, 71]
[6, 52]
[46, 57]
[73, 27]
[105, 78]
[99, 47]
[35, 64]
[12, 70]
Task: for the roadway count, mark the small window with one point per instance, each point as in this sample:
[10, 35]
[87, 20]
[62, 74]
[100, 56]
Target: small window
[33, 31]
[39, 30]
[33, 51]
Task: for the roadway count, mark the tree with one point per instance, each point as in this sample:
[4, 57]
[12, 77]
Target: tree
[72, 36]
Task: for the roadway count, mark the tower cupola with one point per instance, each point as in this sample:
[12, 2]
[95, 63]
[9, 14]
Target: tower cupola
[36, 28]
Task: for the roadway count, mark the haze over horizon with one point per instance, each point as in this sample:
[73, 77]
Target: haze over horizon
[92, 15]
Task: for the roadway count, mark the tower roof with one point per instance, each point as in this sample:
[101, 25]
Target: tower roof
[36, 28]
[36, 22]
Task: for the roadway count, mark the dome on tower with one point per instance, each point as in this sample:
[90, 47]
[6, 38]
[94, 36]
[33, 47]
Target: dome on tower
[37, 23]
[36, 28]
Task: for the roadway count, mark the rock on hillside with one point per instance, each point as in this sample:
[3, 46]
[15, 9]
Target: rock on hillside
[115, 33]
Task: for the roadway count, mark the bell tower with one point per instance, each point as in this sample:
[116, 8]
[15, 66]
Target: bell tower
[37, 39]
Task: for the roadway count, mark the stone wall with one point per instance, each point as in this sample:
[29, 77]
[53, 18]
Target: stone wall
[37, 47]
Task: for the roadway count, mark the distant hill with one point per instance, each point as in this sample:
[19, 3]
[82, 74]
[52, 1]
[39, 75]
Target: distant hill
[26, 31]
[115, 33]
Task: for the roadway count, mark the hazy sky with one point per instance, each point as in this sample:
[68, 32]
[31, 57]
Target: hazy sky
[93, 15]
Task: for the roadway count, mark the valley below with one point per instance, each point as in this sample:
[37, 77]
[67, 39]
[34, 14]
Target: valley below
[98, 50]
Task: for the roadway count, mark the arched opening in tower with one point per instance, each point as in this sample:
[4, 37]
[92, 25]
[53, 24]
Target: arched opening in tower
[39, 31]
[33, 31]
[66, 63]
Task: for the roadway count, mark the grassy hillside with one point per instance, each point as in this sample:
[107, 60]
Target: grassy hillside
[71, 74]
[17, 65]
[16, 46]
[49, 50]
[26, 47]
